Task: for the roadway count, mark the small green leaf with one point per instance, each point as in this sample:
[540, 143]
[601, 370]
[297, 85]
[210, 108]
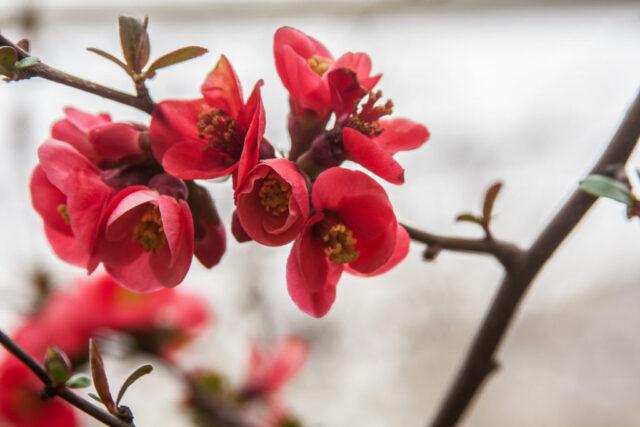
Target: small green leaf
[8, 59]
[133, 377]
[489, 201]
[468, 217]
[78, 381]
[57, 365]
[604, 186]
[99, 376]
[175, 57]
[134, 41]
[110, 57]
[27, 62]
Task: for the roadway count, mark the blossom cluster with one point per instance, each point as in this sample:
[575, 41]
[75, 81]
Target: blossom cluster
[123, 194]
[68, 319]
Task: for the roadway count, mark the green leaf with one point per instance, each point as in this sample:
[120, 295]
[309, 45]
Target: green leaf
[57, 365]
[489, 201]
[8, 59]
[133, 377]
[27, 62]
[99, 376]
[134, 41]
[110, 57]
[94, 397]
[604, 186]
[78, 381]
[175, 57]
[468, 217]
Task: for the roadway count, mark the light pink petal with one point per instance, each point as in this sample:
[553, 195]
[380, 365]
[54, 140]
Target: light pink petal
[401, 135]
[222, 88]
[289, 359]
[364, 151]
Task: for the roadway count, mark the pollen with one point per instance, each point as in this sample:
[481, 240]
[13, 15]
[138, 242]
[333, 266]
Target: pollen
[319, 64]
[340, 245]
[220, 131]
[366, 120]
[64, 213]
[274, 194]
[149, 231]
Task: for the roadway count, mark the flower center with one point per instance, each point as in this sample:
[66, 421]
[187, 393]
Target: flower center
[64, 213]
[339, 243]
[149, 231]
[220, 131]
[366, 120]
[319, 64]
[274, 194]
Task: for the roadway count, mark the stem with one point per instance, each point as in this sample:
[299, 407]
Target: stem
[62, 392]
[479, 361]
[142, 102]
[504, 252]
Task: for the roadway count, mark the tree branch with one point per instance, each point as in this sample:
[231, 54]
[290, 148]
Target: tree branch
[504, 252]
[479, 361]
[62, 392]
[142, 102]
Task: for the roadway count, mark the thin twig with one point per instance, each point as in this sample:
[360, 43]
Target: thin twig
[142, 102]
[60, 391]
[479, 361]
[504, 252]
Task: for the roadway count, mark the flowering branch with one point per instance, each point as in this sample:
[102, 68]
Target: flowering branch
[39, 69]
[63, 392]
[479, 361]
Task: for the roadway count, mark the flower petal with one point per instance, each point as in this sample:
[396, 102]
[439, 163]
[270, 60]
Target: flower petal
[193, 159]
[222, 89]
[399, 254]
[366, 152]
[401, 135]
[173, 121]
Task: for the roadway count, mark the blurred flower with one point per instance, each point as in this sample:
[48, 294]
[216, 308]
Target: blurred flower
[146, 239]
[216, 135]
[354, 226]
[273, 202]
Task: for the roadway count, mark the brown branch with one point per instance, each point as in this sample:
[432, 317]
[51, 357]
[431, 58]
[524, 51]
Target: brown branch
[141, 102]
[51, 390]
[504, 252]
[479, 361]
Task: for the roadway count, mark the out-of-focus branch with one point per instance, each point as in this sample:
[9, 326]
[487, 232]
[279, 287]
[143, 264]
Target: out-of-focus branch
[141, 102]
[52, 390]
[505, 252]
[479, 361]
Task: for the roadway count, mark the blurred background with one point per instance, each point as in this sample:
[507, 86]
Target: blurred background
[527, 92]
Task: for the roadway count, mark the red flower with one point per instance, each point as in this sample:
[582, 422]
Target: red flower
[354, 227]
[273, 202]
[68, 193]
[98, 139]
[146, 239]
[213, 136]
[271, 369]
[20, 402]
[303, 65]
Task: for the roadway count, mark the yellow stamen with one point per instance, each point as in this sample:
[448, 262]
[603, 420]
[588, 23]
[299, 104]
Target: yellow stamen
[64, 213]
[150, 232]
[319, 64]
[340, 245]
[274, 194]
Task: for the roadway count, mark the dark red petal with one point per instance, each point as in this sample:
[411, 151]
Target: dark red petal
[193, 159]
[366, 152]
[346, 92]
[251, 147]
[222, 89]
[401, 135]
[116, 141]
[236, 229]
[359, 63]
[399, 254]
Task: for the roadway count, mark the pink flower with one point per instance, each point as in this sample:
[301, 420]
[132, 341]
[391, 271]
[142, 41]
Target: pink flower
[98, 139]
[20, 402]
[68, 193]
[303, 64]
[146, 239]
[273, 202]
[271, 369]
[213, 136]
[354, 227]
